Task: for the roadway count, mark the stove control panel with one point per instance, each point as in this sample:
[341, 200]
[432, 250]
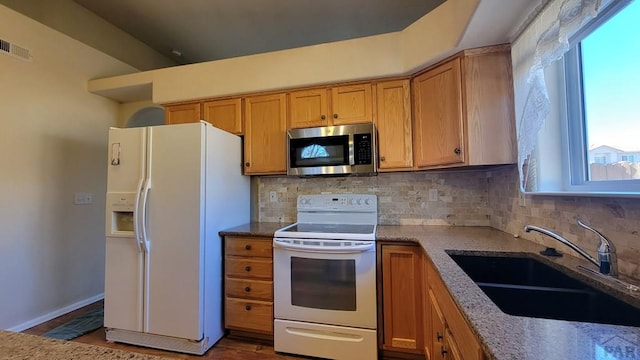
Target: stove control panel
[338, 203]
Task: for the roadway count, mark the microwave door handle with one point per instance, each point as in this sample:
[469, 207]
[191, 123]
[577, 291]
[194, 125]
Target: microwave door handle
[352, 159]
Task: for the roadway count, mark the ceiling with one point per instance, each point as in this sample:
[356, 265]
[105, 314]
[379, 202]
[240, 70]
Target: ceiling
[204, 30]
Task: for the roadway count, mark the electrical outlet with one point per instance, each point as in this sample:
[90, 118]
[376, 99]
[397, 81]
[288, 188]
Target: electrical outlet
[83, 198]
[273, 196]
[433, 194]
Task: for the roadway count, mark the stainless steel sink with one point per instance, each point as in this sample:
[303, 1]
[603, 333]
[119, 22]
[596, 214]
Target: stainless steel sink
[525, 286]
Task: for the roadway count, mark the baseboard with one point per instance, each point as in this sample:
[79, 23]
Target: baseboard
[54, 314]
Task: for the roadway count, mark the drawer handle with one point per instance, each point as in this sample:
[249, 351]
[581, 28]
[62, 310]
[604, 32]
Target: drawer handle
[457, 151]
[247, 289]
[438, 336]
[247, 247]
[247, 268]
[443, 351]
[247, 307]
[335, 116]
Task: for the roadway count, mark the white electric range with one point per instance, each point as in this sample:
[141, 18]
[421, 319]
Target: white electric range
[325, 278]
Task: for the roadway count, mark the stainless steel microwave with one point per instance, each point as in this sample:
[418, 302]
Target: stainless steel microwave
[332, 150]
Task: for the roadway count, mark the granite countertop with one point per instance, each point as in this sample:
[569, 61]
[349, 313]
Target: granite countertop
[254, 229]
[14, 346]
[503, 336]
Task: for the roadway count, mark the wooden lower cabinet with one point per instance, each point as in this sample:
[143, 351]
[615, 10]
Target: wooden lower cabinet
[401, 299]
[248, 285]
[447, 335]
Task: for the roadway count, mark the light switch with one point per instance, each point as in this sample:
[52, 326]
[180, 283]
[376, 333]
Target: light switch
[82, 198]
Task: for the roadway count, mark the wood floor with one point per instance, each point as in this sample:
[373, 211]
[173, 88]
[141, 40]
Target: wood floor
[226, 349]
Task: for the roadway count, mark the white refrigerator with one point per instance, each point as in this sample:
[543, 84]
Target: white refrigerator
[170, 190]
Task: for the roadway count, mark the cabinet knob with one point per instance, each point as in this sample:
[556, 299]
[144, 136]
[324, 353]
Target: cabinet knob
[247, 247]
[382, 158]
[438, 336]
[247, 307]
[335, 116]
[247, 268]
[247, 164]
[457, 151]
[247, 289]
[323, 117]
[443, 351]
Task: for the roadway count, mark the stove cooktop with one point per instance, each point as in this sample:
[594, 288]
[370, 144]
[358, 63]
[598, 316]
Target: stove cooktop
[329, 231]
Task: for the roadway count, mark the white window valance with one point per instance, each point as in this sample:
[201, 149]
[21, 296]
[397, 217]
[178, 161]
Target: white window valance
[544, 40]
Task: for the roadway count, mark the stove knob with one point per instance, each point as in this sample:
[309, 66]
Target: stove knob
[367, 201]
[359, 201]
[352, 201]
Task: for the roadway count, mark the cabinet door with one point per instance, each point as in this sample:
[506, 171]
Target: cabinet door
[436, 341]
[308, 108]
[402, 298]
[489, 108]
[427, 328]
[438, 123]
[451, 352]
[224, 114]
[265, 134]
[182, 113]
[394, 125]
[351, 104]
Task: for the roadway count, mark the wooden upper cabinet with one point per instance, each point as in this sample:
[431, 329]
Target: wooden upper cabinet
[438, 138]
[351, 104]
[308, 108]
[393, 123]
[182, 113]
[265, 134]
[224, 114]
[340, 105]
[463, 111]
[488, 103]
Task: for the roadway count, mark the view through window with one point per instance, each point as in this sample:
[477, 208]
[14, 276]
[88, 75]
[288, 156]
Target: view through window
[611, 97]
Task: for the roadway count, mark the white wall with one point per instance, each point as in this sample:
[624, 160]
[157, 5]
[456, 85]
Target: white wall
[52, 144]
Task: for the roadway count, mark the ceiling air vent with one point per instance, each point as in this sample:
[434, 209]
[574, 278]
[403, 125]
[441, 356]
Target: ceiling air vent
[14, 50]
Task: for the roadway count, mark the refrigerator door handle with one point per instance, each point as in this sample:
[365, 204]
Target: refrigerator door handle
[137, 224]
[143, 218]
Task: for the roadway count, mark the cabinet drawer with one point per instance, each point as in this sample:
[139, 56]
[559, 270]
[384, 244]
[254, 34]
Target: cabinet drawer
[248, 247]
[249, 289]
[251, 268]
[249, 315]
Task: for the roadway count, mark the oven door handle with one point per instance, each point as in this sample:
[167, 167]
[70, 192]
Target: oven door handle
[349, 249]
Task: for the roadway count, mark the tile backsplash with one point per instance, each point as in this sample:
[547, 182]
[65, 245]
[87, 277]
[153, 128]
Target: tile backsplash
[485, 197]
[403, 198]
[618, 219]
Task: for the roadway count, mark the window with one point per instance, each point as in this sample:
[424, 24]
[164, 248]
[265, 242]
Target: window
[603, 114]
[599, 159]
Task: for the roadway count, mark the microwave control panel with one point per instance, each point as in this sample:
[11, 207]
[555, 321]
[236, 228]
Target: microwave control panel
[363, 144]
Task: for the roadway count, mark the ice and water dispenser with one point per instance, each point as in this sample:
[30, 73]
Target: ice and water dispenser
[120, 214]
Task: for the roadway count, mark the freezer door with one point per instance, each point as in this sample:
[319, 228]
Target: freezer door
[175, 228]
[123, 302]
[124, 260]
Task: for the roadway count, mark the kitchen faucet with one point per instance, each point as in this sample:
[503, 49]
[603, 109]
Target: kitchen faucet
[607, 261]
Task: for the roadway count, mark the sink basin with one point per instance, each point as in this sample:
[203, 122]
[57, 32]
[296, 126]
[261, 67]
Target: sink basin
[525, 286]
